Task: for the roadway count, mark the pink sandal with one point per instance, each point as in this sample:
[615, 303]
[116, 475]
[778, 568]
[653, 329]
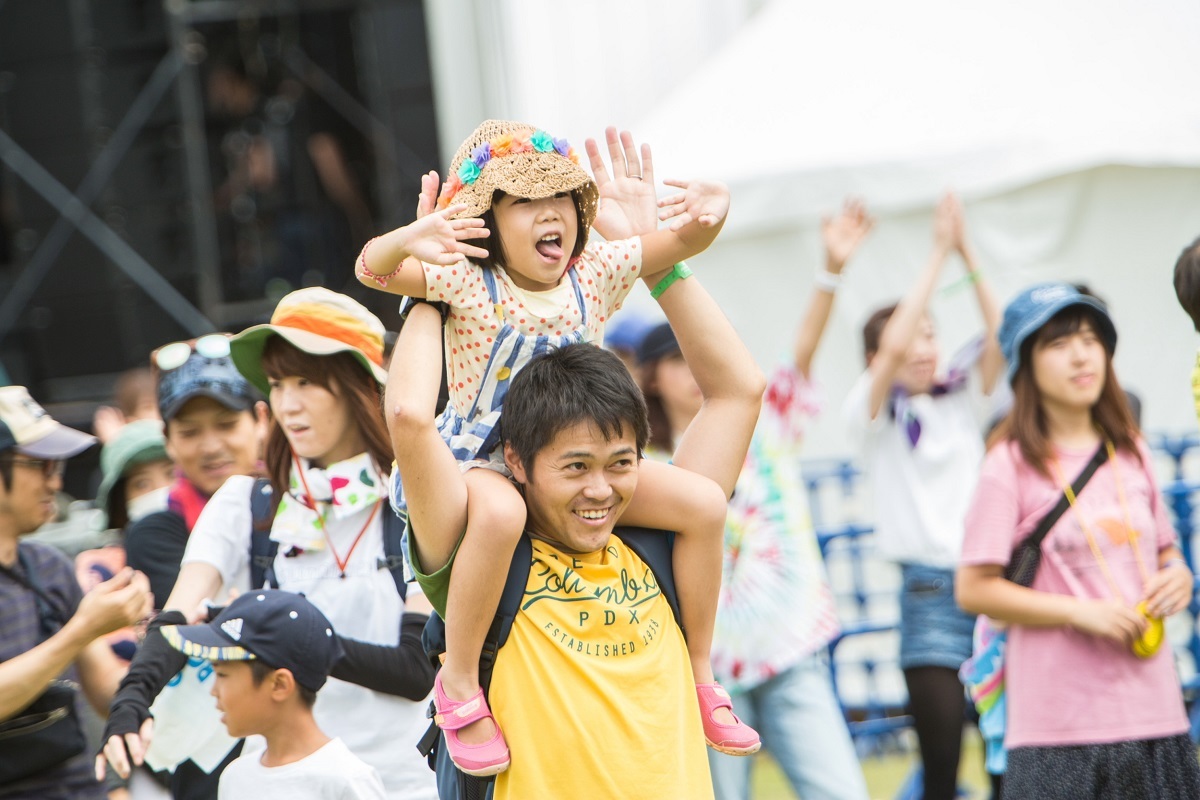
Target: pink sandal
[738, 739]
[479, 760]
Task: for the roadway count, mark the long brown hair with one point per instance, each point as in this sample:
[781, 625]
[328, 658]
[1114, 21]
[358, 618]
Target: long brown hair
[1026, 422]
[346, 379]
[661, 435]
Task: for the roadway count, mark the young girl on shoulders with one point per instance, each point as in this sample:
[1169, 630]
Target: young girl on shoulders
[1094, 702]
[538, 282]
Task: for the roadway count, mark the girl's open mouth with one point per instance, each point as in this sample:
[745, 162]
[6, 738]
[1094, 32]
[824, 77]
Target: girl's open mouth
[549, 247]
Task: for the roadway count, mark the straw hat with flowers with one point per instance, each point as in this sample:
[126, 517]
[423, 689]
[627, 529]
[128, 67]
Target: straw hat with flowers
[519, 160]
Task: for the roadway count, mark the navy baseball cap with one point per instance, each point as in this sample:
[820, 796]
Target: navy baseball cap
[279, 628]
[201, 376]
[659, 343]
[627, 331]
[1034, 307]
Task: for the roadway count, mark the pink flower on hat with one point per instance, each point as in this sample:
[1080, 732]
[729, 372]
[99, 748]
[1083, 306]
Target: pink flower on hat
[520, 143]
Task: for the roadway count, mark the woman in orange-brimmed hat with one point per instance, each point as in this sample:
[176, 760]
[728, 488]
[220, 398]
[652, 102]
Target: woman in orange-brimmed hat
[319, 361]
[539, 281]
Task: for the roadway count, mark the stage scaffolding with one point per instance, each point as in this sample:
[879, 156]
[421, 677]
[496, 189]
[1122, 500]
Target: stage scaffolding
[390, 108]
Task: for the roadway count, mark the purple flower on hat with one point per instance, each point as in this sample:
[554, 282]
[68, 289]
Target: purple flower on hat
[468, 173]
[562, 147]
[482, 155]
[542, 142]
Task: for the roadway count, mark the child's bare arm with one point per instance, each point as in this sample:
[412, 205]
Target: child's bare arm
[696, 216]
[433, 485]
[391, 262]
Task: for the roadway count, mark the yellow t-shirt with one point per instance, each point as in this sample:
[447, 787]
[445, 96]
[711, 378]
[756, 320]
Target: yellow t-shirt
[593, 689]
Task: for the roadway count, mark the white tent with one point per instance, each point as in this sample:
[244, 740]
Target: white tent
[1072, 130]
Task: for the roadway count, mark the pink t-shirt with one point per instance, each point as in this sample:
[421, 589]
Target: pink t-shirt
[1065, 687]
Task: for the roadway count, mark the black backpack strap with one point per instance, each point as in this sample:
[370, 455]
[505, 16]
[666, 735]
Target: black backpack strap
[468, 787]
[262, 546]
[393, 546]
[506, 612]
[656, 548]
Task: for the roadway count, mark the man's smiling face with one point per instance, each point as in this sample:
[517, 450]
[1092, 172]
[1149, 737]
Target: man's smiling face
[578, 486]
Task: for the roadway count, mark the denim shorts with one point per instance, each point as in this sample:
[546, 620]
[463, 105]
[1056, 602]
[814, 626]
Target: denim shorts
[934, 631]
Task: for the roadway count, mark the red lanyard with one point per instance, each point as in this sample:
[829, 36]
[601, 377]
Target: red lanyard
[312, 504]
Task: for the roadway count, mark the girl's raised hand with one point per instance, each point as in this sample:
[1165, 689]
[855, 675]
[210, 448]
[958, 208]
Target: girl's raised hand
[437, 239]
[429, 194]
[628, 205]
[702, 202]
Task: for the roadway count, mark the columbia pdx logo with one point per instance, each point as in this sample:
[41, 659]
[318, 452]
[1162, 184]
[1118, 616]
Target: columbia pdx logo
[233, 627]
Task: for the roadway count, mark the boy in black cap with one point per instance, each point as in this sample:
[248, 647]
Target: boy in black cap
[271, 652]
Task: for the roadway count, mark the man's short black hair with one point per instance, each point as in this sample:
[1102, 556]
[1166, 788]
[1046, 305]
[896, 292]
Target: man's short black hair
[566, 386]
[1187, 282]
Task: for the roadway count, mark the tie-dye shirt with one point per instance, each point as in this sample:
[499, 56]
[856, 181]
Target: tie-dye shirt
[776, 607]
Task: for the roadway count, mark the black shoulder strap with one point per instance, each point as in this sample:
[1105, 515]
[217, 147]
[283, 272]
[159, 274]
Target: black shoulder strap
[1035, 538]
[506, 611]
[50, 618]
[393, 546]
[453, 783]
[262, 546]
[656, 549]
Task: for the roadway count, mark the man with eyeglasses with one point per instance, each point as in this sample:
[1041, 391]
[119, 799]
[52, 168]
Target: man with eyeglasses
[48, 629]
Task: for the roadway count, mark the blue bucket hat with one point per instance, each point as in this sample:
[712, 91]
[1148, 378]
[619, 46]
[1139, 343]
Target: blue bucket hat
[1034, 307]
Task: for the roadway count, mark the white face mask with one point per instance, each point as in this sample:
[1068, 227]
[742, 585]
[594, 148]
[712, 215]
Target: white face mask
[148, 503]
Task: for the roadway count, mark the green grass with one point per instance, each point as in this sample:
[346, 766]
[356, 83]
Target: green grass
[884, 773]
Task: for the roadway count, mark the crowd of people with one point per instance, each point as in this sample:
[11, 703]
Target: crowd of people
[595, 567]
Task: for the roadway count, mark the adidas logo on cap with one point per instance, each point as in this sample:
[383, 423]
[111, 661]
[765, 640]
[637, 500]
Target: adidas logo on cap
[233, 627]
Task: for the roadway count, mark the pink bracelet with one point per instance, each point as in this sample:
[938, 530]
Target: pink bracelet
[363, 272]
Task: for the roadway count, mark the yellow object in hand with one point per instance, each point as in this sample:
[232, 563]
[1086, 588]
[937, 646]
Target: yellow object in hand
[1149, 642]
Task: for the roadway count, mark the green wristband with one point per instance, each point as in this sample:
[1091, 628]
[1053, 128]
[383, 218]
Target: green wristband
[678, 273]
